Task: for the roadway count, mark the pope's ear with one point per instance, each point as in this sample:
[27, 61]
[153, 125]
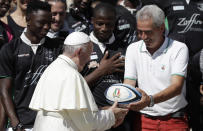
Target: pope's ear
[78, 52]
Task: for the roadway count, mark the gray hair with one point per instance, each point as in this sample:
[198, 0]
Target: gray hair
[151, 12]
[70, 49]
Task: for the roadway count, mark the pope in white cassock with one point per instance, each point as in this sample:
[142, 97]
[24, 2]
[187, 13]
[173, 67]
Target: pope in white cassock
[62, 97]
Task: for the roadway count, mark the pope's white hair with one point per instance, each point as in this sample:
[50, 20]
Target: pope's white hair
[151, 12]
[70, 49]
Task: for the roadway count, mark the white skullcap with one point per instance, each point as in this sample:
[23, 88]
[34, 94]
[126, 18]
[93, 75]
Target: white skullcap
[76, 38]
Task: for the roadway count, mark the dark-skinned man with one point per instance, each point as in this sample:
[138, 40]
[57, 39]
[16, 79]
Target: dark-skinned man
[23, 61]
[106, 65]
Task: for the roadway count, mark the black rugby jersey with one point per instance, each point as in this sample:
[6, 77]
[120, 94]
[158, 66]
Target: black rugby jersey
[185, 21]
[79, 22]
[25, 68]
[125, 28]
[104, 82]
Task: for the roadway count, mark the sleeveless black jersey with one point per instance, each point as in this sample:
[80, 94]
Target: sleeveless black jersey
[3, 34]
[16, 29]
[25, 68]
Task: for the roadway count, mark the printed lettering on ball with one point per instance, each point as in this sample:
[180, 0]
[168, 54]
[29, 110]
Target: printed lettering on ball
[122, 93]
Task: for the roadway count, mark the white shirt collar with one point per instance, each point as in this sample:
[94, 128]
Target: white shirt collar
[163, 48]
[102, 46]
[187, 1]
[52, 34]
[28, 42]
[69, 61]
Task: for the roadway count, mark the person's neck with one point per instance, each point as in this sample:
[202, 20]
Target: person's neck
[32, 37]
[151, 51]
[75, 59]
[101, 41]
[20, 13]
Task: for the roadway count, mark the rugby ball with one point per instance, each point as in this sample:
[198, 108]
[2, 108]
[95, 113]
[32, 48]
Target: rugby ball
[122, 93]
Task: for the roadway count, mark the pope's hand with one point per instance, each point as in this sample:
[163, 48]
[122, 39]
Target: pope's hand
[119, 114]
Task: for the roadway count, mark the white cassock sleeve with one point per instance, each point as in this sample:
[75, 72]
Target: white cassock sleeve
[95, 121]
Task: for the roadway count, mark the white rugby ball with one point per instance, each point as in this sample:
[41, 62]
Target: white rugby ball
[122, 93]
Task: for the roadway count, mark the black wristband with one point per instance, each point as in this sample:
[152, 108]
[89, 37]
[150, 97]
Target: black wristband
[18, 126]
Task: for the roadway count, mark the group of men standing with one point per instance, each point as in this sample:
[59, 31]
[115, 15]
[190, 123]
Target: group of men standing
[64, 100]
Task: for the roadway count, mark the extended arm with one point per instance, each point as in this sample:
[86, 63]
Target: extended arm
[2, 117]
[98, 120]
[5, 93]
[171, 91]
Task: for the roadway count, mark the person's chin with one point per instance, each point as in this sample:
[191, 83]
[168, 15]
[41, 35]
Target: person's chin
[104, 38]
[24, 7]
[42, 35]
[55, 28]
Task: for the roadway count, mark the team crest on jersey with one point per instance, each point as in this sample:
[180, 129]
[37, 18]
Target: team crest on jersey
[93, 64]
[23, 55]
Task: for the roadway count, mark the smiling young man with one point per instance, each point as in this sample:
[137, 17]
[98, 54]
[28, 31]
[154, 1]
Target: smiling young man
[58, 11]
[23, 61]
[157, 65]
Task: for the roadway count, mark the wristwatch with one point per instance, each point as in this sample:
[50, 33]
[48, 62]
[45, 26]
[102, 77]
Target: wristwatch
[18, 126]
[151, 104]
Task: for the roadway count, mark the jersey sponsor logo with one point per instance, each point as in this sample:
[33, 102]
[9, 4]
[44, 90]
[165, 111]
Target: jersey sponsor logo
[111, 79]
[93, 57]
[175, 2]
[189, 23]
[93, 64]
[80, 28]
[23, 55]
[178, 8]
[125, 26]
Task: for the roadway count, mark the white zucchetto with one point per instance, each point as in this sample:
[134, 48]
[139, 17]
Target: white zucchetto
[76, 38]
